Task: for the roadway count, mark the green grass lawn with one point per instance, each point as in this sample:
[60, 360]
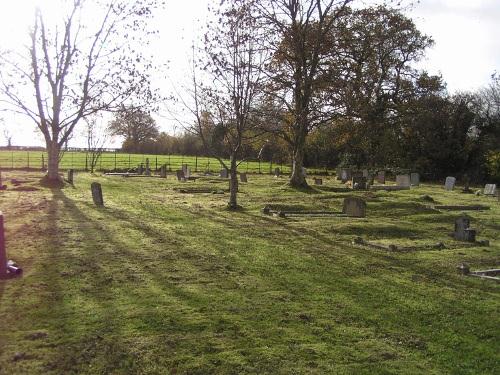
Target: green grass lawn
[160, 282]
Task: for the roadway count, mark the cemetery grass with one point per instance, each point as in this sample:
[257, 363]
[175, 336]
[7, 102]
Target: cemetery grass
[160, 282]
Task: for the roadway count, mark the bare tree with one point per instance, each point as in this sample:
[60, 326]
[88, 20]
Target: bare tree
[299, 35]
[85, 62]
[230, 68]
[96, 139]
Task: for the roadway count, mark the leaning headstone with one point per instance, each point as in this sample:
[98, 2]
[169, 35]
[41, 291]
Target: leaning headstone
[163, 171]
[277, 172]
[3, 252]
[70, 176]
[318, 181]
[345, 174]
[415, 179]
[243, 177]
[359, 183]
[490, 189]
[381, 177]
[147, 171]
[403, 180]
[97, 193]
[449, 184]
[180, 175]
[224, 173]
[463, 232]
[354, 207]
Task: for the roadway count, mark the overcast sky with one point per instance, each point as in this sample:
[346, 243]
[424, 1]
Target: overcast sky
[466, 50]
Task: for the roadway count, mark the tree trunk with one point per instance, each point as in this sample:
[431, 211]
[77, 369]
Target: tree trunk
[233, 184]
[53, 151]
[297, 180]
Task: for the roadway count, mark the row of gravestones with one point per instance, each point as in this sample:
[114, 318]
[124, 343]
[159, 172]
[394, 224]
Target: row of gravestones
[361, 179]
[489, 189]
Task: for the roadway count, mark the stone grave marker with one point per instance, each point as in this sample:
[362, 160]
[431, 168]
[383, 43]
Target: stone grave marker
[354, 207]
[490, 189]
[97, 193]
[318, 181]
[463, 232]
[381, 177]
[224, 173]
[70, 176]
[304, 172]
[338, 173]
[359, 183]
[140, 169]
[345, 174]
[277, 172]
[403, 180]
[187, 172]
[365, 173]
[449, 183]
[243, 177]
[180, 175]
[415, 179]
[163, 171]
[147, 172]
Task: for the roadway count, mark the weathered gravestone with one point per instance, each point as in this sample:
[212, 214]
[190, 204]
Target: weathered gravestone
[3, 253]
[359, 183]
[224, 173]
[381, 177]
[365, 173]
[243, 177]
[354, 207]
[180, 175]
[415, 179]
[449, 183]
[403, 180]
[463, 232]
[304, 172]
[318, 181]
[70, 176]
[490, 189]
[96, 189]
[277, 172]
[148, 171]
[163, 171]
[345, 174]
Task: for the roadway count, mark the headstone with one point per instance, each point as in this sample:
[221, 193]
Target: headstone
[490, 189]
[415, 179]
[223, 173]
[354, 207]
[243, 177]
[359, 183]
[318, 181]
[365, 173]
[185, 169]
[304, 172]
[345, 174]
[180, 175]
[463, 232]
[3, 252]
[148, 171]
[187, 172]
[70, 176]
[449, 184]
[140, 169]
[163, 171]
[97, 193]
[277, 172]
[403, 180]
[381, 177]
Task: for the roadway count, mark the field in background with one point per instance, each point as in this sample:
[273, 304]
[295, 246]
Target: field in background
[159, 282]
[124, 161]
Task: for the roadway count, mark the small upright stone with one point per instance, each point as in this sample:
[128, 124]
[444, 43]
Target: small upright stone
[140, 169]
[148, 170]
[354, 207]
[381, 177]
[224, 173]
[403, 180]
[366, 173]
[463, 232]
[415, 179]
[277, 172]
[345, 174]
[70, 176]
[97, 193]
[163, 171]
[449, 184]
[243, 177]
[180, 175]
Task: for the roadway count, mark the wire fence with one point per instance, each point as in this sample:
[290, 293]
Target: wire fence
[116, 161]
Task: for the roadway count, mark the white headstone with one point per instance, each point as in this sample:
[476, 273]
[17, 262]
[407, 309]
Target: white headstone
[403, 180]
[490, 189]
[449, 184]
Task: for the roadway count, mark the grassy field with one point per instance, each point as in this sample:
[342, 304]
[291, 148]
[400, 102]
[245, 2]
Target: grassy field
[124, 161]
[159, 282]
